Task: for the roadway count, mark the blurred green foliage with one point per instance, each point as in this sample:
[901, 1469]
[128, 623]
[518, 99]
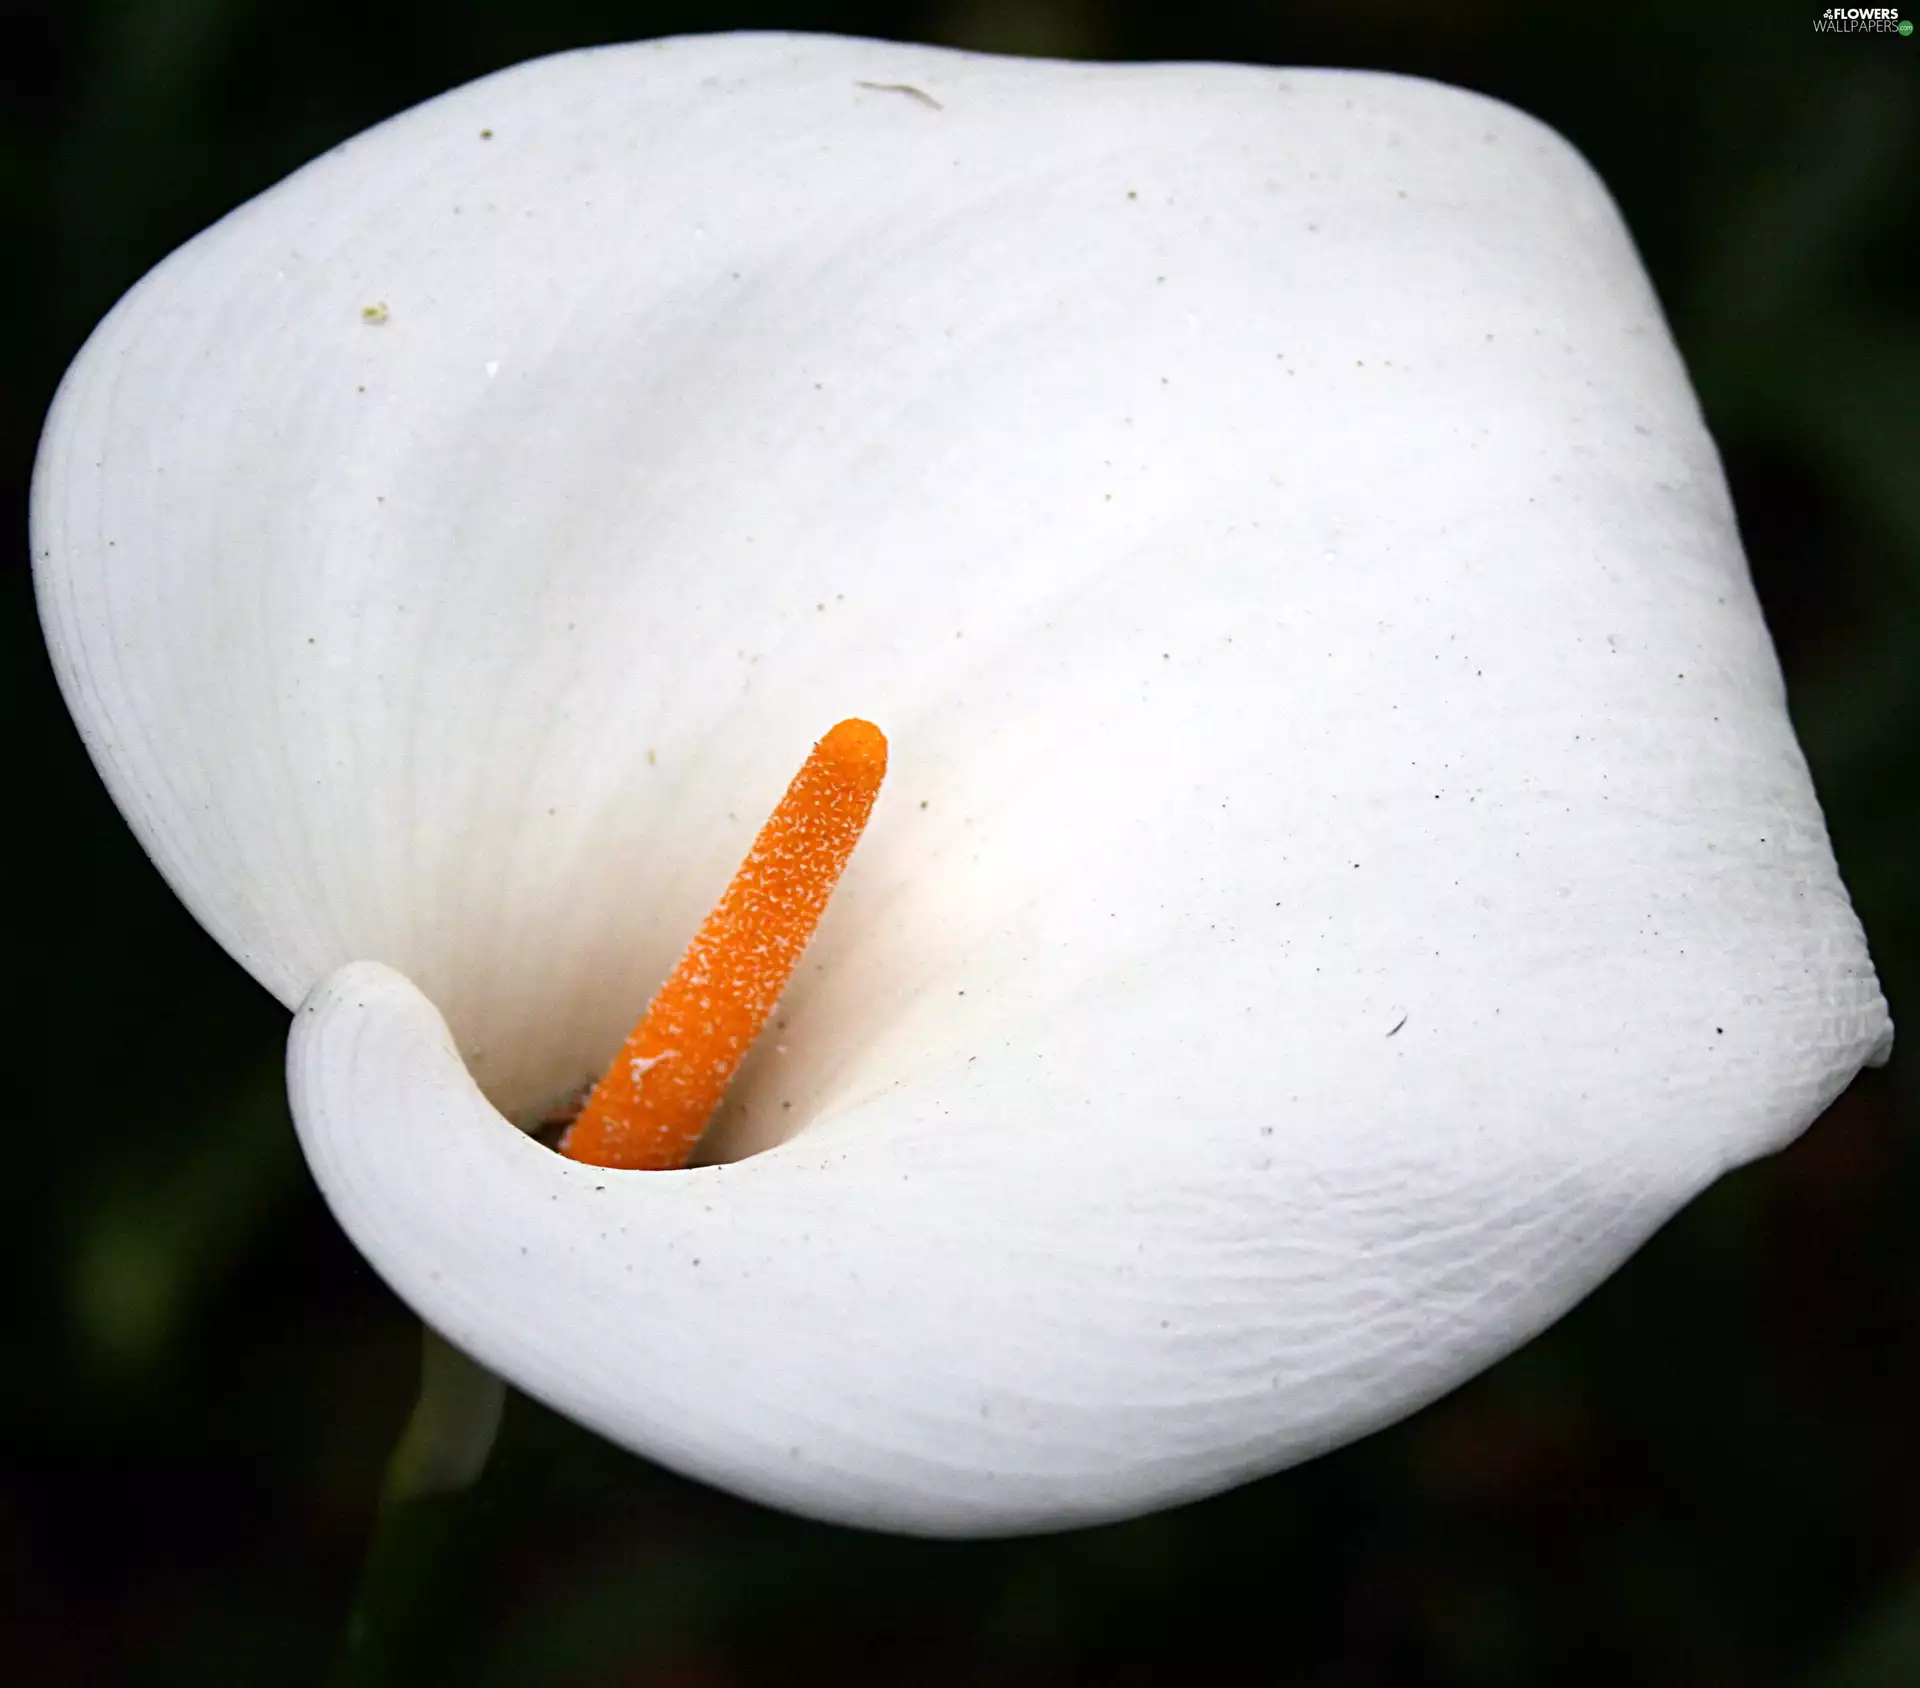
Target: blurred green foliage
[1707, 1475]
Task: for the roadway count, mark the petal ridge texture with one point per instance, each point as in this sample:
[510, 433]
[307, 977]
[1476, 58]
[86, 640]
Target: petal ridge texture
[1348, 875]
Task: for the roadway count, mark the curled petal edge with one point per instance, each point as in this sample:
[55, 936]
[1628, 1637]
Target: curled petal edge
[973, 1351]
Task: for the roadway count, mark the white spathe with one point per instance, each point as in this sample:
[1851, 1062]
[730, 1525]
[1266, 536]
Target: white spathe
[1347, 875]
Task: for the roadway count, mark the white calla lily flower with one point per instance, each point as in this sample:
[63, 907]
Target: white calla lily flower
[1347, 875]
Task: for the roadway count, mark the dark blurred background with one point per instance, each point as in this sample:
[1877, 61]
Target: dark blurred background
[1707, 1475]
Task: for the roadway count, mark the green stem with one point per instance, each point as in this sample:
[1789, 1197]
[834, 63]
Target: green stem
[424, 1549]
[445, 1445]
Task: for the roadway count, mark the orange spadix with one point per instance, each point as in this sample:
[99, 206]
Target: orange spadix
[649, 1109]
